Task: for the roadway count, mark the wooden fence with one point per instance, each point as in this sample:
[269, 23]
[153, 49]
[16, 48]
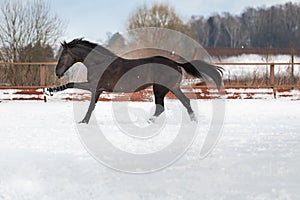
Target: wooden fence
[270, 81]
[9, 72]
[232, 90]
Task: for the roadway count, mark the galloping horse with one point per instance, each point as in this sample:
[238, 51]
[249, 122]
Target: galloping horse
[106, 72]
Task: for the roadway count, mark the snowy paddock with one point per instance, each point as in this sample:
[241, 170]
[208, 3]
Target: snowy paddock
[256, 157]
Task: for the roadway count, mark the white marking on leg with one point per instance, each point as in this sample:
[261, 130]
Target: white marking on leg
[151, 119]
[193, 117]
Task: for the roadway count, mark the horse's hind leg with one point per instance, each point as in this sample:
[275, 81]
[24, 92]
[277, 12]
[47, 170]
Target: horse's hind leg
[159, 95]
[185, 101]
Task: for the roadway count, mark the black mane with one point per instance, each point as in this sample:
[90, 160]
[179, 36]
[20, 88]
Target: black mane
[77, 41]
[90, 45]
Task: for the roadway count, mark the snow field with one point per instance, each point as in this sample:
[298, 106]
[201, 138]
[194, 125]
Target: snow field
[257, 156]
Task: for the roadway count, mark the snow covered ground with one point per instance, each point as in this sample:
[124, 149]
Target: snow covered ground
[257, 156]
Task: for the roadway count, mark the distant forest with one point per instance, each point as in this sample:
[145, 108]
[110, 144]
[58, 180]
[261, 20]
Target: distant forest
[267, 27]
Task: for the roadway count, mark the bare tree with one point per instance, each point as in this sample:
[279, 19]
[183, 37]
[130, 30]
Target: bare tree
[232, 26]
[214, 24]
[47, 27]
[26, 23]
[201, 28]
[158, 15]
[27, 32]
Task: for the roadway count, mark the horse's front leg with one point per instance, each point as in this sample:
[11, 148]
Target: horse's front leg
[84, 86]
[95, 97]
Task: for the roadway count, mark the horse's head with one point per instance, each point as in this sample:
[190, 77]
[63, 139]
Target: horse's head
[77, 51]
[66, 60]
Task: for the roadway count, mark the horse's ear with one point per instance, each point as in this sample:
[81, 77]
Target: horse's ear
[64, 44]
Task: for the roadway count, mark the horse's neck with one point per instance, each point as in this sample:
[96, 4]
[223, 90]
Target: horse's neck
[96, 60]
[96, 63]
[98, 56]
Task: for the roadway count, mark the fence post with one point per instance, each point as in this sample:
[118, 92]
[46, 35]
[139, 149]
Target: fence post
[43, 79]
[272, 74]
[42, 75]
[272, 78]
[293, 79]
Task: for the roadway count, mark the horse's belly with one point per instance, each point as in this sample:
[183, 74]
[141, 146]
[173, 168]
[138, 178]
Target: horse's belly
[132, 83]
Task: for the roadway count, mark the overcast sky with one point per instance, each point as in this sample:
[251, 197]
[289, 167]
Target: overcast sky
[92, 19]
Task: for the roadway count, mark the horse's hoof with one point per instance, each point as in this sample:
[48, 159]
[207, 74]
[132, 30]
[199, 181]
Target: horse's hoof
[151, 120]
[193, 117]
[48, 92]
[84, 121]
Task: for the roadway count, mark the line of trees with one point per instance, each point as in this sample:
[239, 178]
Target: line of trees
[273, 27]
[277, 26]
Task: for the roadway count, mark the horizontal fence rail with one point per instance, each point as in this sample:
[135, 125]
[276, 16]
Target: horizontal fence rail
[27, 74]
[195, 92]
[294, 79]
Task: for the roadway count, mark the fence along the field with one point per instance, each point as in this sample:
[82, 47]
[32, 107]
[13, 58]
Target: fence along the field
[28, 74]
[257, 74]
[261, 74]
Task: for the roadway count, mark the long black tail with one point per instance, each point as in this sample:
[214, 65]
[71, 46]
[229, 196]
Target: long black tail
[196, 67]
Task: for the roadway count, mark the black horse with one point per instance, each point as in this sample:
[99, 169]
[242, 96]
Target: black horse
[108, 72]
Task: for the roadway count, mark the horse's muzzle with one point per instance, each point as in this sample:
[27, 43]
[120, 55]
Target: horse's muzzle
[58, 76]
